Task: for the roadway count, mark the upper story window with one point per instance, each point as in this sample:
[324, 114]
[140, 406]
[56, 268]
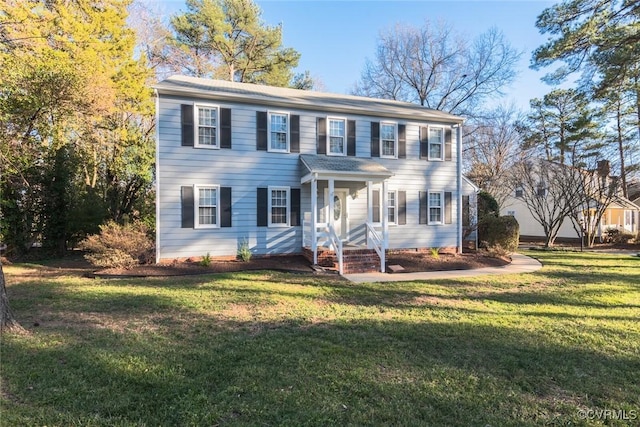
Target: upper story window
[206, 204]
[436, 143]
[388, 140]
[337, 137]
[279, 205]
[278, 132]
[206, 126]
[435, 208]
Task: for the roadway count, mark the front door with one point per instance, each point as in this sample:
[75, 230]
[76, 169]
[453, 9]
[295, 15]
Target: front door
[340, 215]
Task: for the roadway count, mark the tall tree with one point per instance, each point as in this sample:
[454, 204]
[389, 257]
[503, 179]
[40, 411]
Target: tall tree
[561, 127]
[601, 39]
[69, 99]
[490, 151]
[438, 68]
[227, 39]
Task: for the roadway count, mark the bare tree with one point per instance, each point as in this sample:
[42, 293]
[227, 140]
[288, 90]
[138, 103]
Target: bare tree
[438, 68]
[550, 191]
[490, 151]
[596, 191]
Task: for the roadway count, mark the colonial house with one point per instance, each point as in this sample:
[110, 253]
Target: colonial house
[285, 171]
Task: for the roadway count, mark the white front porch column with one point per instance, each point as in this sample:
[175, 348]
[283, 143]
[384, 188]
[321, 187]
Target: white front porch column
[331, 192]
[369, 209]
[314, 218]
[385, 213]
[385, 225]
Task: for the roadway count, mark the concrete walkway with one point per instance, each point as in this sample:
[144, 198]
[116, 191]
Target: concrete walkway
[519, 264]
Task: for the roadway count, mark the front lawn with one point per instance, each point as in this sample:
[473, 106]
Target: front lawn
[557, 347]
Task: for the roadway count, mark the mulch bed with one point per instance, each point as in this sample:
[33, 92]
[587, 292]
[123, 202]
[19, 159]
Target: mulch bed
[299, 264]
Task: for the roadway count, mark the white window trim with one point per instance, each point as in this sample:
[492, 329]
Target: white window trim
[269, 214]
[395, 207]
[429, 222]
[395, 141]
[196, 206]
[328, 131]
[279, 113]
[442, 143]
[196, 125]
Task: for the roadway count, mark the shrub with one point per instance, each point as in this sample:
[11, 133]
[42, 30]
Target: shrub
[120, 246]
[615, 236]
[206, 260]
[499, 234]
[435, 252]
[487, 205]
[244, 252]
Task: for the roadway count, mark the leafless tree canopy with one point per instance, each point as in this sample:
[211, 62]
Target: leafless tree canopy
[438, 68]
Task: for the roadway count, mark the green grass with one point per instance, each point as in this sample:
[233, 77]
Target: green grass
[270, 349]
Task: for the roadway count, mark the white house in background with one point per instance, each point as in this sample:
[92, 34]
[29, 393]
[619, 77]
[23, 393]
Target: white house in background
[286, 171]
[621, 214]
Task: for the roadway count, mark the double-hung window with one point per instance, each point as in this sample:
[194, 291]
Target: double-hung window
[435, 206]
[436, 143]
[206, 203]
[206, 126]
[392, 205]
[388, 140]
[278, 132]
[337, 137]
[279, 206]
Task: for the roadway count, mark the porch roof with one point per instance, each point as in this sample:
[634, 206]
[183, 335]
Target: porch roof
[343, 168]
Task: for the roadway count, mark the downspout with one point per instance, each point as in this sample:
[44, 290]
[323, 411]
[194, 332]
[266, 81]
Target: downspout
[459, 184]
[157, 173]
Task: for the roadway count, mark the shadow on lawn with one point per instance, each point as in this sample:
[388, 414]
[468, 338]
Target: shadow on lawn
[361, 372]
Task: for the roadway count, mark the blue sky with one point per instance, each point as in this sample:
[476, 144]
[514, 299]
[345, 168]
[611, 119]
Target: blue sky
[335, 37]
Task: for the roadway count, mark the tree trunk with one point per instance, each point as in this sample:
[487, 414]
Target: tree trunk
[7, 322]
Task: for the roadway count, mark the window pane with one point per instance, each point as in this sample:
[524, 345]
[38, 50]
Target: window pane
[388, 148]
[278, 141]
[278, 123]
[434, 199]
[435, 136]
[206, 116]
[434, 215]
[336, 145]
[388, 132]
[207, 216]
[336, 127]
[435, 151]
[206, 136]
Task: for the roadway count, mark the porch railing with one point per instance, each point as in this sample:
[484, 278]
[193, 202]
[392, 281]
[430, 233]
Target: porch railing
[374, 238]
[336, 243]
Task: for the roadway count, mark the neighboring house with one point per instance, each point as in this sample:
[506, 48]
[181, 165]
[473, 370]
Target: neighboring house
[286, 171]
[620, 214]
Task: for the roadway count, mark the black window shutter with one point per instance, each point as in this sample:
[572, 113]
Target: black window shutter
[376, 205]
[402, 141]
[294, 220]
[263, 207]
[447, 144]
[466, 218]
[351, 137]
[423, 208]
[225, 206]
[261, 130]
[375, 139]
[294, 146]
[447, 207]
[321, 135]
[225, 128]
[402, 208]
[424, 142]
[186, 197]
[186, 118]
